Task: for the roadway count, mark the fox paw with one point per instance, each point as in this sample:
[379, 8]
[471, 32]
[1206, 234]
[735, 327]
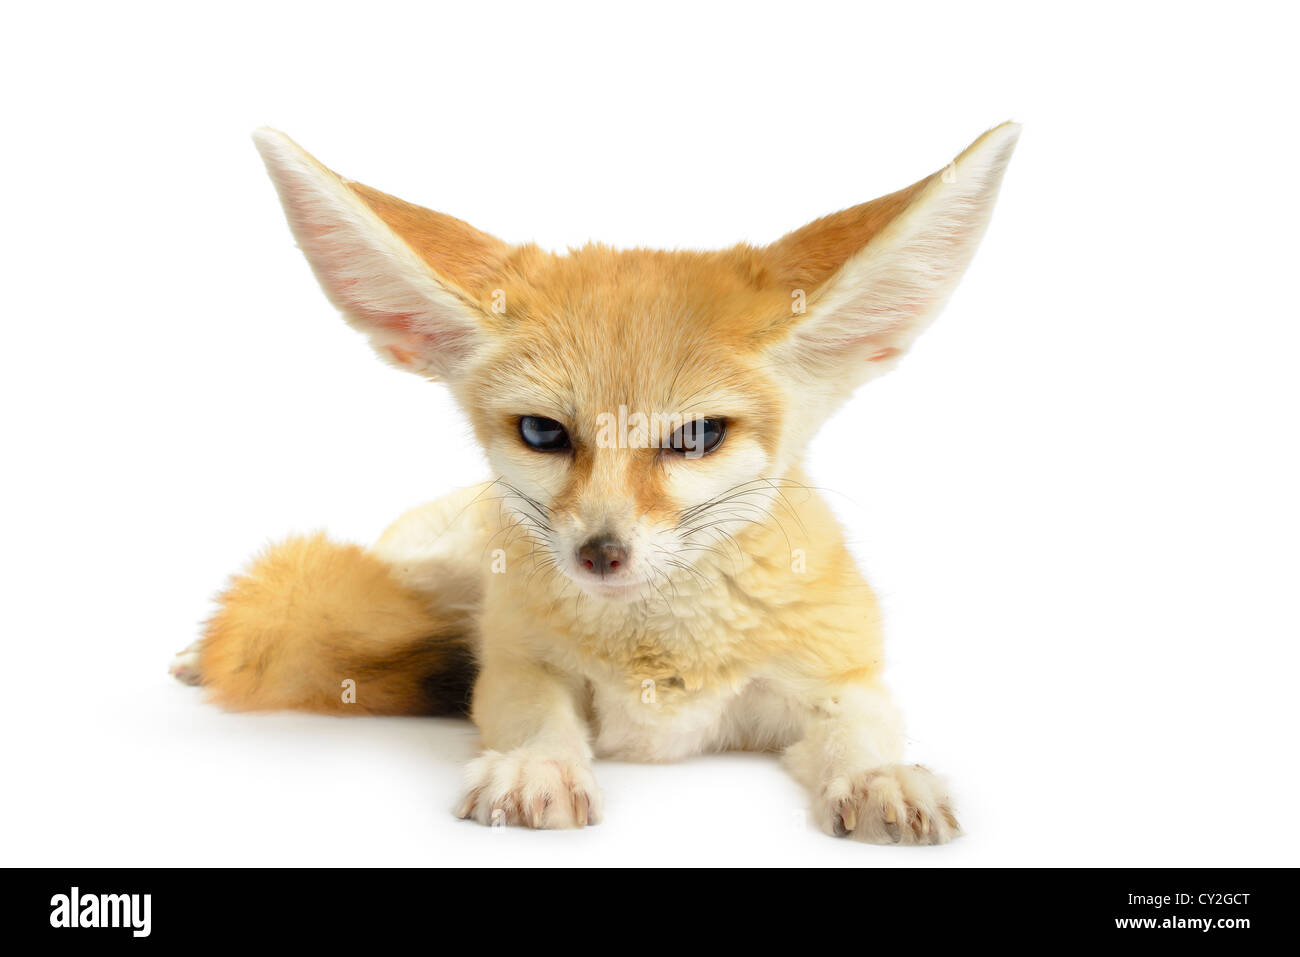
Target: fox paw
[893, 804]
[185, 666]
[529, 788]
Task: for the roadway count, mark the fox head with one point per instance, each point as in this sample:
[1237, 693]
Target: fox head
[635, 405]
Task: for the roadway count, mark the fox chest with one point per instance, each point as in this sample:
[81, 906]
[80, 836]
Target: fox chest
[657, 719]
[677, 690]
[660, 719]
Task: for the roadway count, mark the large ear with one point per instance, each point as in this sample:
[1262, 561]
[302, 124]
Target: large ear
[875, 275]
[406, 276]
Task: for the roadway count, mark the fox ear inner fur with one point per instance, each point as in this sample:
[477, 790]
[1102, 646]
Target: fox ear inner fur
[406, 276]
[878, 273]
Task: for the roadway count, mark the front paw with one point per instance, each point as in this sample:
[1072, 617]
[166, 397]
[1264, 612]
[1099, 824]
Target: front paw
[529, 788]
[891, 804]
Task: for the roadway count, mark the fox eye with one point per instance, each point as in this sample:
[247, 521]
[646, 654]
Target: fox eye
[698, 437]
[545, 435]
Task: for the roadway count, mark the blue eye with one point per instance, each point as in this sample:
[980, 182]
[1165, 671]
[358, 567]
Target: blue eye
[545, 435]
[699, 437]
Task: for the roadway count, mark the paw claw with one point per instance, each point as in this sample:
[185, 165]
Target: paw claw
[581, 809]
[529, 788]
[894, 804]
[537, 812]
[466, 806]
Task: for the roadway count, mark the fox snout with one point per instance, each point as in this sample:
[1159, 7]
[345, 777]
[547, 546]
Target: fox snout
[602, 556]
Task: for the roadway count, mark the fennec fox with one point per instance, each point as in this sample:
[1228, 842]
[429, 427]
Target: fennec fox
[649, 575]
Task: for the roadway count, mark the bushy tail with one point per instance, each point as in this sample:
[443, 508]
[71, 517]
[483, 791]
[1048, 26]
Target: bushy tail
[317, 626]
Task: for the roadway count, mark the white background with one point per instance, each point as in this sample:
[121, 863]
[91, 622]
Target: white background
[1077, 498]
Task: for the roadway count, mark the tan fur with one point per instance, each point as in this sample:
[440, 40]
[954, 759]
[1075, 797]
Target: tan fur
[745, 612]
[309, 615]
[737, 620]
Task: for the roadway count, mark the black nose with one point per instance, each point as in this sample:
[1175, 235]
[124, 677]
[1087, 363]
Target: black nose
[602, 556]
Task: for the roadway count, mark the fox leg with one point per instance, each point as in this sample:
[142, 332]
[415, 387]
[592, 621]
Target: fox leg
[535, 770]
[316, 626]
[849, 759]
